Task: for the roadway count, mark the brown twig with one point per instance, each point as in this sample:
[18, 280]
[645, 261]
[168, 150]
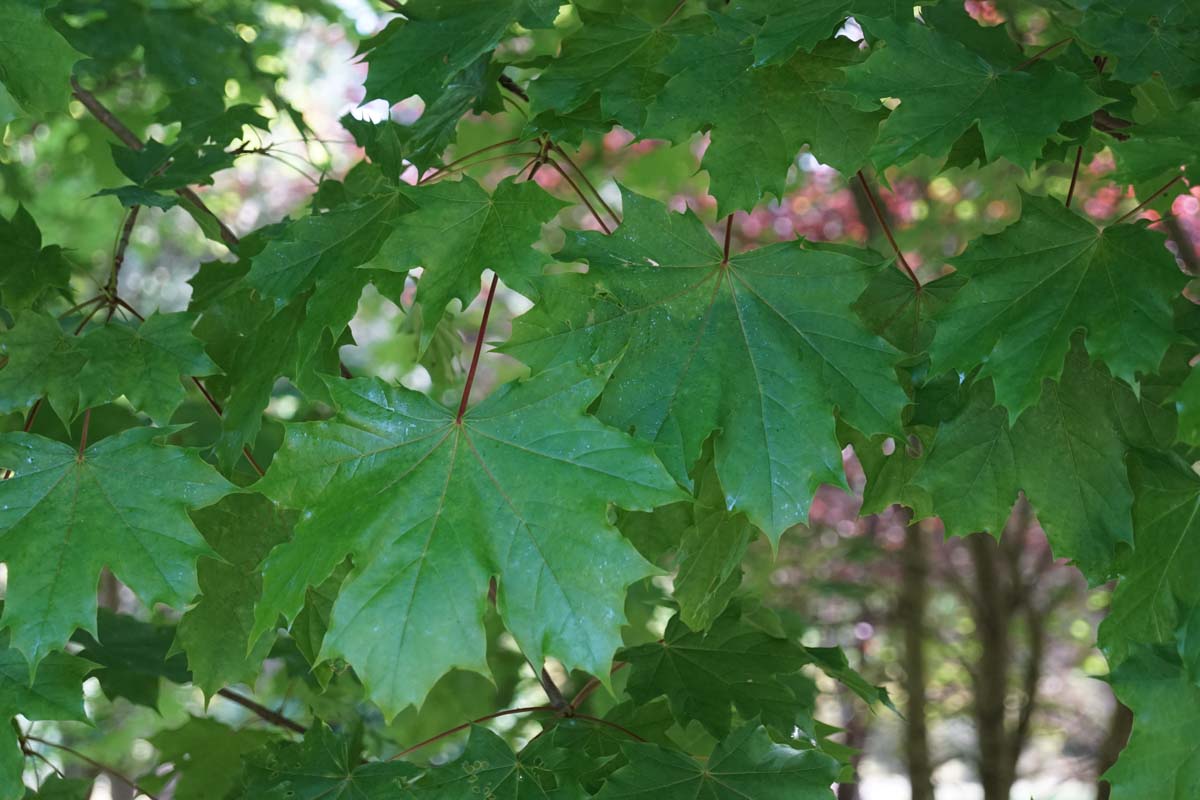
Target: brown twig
[1042, 53]
[1074, 174]
[274, 717]
[678, 7]
[119, 258]
[593, 685]
[487, 310]
[91, 762]
[1146, 202]
[511, 85]
[728, 234]
[580, 194]
[557, 701]
[887, 230]
[583, 176]
[439, 170]
[83, 435]
[465, 725]
[110, 121]
[610, 724]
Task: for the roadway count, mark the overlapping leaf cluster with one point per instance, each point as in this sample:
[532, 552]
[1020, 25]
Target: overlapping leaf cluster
[681, 398]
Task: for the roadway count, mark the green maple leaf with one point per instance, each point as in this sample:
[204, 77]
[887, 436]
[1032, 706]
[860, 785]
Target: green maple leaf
[205, 758]
[32, 273]
[788, 26]
[1157, 148]
[901, 313]
[439, 39]
[132, 657]
[745, 764]
[1066, 454]
[56, 693]
[1160, 572]
[759, 118]
[489, 768]
[1145, 37]
[614, 57]
[1162, 758]
[430, 509]
[1017, 110]
[35, 60]
[1031, 286]
[215, 633]
[42, 360]
[325, 766]
[143, 362]
[459, 230]
[64, 516]
[706, 675]
[323, 245]
[758, 351]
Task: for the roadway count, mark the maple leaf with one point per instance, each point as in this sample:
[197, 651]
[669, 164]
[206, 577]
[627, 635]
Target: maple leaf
[1162, 758]
[143, 362]
[903, 315]
[758, 351]
[614, 57]
[1066, 454]
[323, 245]
[489, 767]
[131, 657]
[788, 26]
[205, 758]
[1051, 273]
[1160, 572]
[745, 764]
[121, 504]
[759, 118]
[1145, 37]
[325, 766]
[56, 693]
[431, 508]
[215, 632]
[458, 230]
[1017, 108]
[32, 273]
[439, 39]
[35, 60]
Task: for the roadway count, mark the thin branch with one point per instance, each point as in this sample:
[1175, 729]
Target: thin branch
[678, 7]
[1146, 202]
[487, 310]
[583, 176]
[91, 762]
[110, 121]
[452, 170]
[470, 155]
[119, 258]
[728, 233]
[83, 436]
[1074, 174]
[87, 318]
[580, 194]
[80, 306]
[887, 230]
[593, 685]
[274, 717]
[1042, 54]
[394, 5]
[613, 725]
[512, 86]
[465, 725]
[557, 701]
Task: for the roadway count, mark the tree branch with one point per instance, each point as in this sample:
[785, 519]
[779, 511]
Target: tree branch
[274, 717]
[110, 121]
[887, 231]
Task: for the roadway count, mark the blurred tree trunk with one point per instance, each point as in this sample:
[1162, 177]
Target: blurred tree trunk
[855, 727]
[910, 612]
[991, 670]
[1118, 734]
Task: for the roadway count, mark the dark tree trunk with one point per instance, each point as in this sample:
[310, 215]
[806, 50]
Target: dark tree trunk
[911, 613]
[991, 670]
